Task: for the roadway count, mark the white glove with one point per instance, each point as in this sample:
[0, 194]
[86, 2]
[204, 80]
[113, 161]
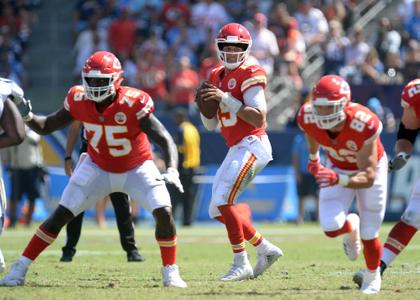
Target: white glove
[398, 161]
[172, 177]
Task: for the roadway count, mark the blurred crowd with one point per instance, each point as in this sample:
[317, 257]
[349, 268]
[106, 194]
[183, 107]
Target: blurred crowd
[167, 46]
[16, 20]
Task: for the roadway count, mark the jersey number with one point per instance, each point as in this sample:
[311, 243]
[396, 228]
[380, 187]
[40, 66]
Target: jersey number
[342, 154]
[227, 118]
[360, 120]
[116, 146]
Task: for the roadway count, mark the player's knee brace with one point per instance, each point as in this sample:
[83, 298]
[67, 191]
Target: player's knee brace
[412, 218]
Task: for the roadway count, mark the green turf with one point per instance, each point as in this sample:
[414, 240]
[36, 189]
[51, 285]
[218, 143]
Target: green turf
[314, 267]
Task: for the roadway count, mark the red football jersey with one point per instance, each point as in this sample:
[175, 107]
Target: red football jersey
[116, 142]
[411, 96]
[236, 82]
[361, 127]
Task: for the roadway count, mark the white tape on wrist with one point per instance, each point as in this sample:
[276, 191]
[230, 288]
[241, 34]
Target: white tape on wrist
[231, 102]
[28, 117]
[314, 156]
[343, 179]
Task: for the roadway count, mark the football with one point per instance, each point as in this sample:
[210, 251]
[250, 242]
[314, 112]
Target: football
[207, 108]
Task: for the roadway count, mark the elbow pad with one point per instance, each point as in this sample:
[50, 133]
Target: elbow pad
[407, 134]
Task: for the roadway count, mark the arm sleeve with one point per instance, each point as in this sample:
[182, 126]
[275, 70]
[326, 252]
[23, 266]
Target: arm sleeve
[255, 97]
[210, 124]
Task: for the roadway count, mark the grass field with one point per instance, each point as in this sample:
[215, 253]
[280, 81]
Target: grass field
[314, 267]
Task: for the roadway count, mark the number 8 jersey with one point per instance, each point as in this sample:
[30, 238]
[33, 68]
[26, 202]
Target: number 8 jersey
[116, 142]
[236, 82]
[361, 127]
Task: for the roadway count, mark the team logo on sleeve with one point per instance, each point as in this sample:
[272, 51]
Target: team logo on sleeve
[120, 118]
[231, 83]
[351, 145]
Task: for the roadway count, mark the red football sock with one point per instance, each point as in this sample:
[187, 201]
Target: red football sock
[372, 250]
[250, 233]
[399, 237]
[233, 223]
[167, 250]
[41, 240]
[345, 229]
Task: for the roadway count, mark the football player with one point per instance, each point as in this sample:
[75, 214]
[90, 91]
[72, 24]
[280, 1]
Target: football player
[12, 133]
[406, 228]
[118, 121]
[356, 167]
[239, 89]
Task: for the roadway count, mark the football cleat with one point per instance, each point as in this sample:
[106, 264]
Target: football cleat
[135, 256]
[358, 278]
[16, 275]
[171, 277]
[371, 282]
[351, 241]
[265, 260]
[239, 272]
[68, 254]
[2, 262]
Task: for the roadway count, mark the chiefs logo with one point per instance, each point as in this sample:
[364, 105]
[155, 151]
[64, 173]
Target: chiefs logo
[351, 145]
[120, 118]
[231, 83]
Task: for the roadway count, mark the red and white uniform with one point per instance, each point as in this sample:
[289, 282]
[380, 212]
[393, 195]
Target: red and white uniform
[249, 147]
[410, 97]
[115, 140]
[119, 155]
[361, 127]
[237, 82]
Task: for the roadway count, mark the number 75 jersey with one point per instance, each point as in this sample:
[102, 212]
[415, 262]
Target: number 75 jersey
[116, 142]
[361, 127]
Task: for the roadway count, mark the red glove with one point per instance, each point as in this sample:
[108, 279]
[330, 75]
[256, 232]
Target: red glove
[326, 177]
[314, 166]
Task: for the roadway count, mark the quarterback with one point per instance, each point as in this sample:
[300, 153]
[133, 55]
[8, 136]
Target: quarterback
[239, 90]
[118, 121]
[356, 167]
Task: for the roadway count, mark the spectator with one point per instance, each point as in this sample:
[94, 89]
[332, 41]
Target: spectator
[187, 139]
[183, 41]
[387, 39]
[289, 40]
[173, 11]
[208, 15]
[121, 33]
[312, 23]
[413, 24]
[264, 47]
[151, 75]
[307, 187]
[334, 48]
[355, 55]
[209, 63]
[373, 69]
[183, 82]
[89, 41]
[412, 61]
[26, 175]
[384, 113]
[393, 69]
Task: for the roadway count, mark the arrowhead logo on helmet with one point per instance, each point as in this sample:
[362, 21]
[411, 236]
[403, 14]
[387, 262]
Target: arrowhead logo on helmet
[101, 76]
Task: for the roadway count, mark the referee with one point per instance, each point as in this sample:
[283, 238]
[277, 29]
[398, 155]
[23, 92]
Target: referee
[120, 202]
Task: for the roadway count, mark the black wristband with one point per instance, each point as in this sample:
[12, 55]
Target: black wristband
[67, 158]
